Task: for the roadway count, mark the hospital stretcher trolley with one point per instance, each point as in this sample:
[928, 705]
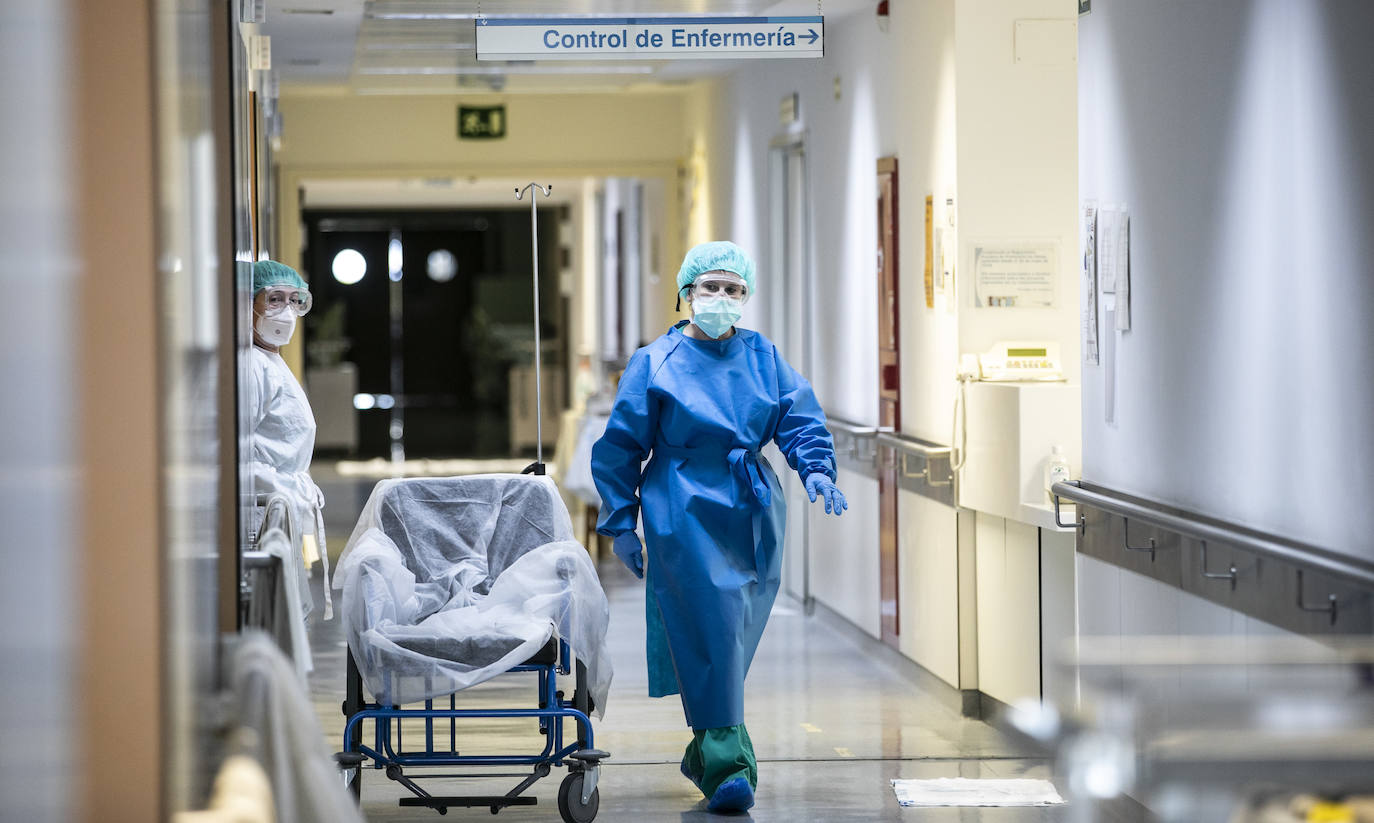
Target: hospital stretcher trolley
[578, 795]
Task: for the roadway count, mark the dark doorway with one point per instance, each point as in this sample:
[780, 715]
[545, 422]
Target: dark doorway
[434, 326]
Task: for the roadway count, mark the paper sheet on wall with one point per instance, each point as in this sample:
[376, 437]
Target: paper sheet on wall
[1109, 361]
[1106, 249]
[1015, 274]
[1088, 303]
[1123, 271]
[937, 255]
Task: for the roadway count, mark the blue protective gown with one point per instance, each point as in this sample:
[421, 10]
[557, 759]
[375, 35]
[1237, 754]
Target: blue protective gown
[713, 510]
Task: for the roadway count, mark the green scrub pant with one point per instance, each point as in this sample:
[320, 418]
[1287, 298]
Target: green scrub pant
[717, 755]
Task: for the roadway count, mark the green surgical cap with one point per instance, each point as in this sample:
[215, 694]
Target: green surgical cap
[271, 273]
[719, 255]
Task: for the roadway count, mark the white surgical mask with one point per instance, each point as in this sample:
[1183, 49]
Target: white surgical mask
[715, 315]
[277, 329]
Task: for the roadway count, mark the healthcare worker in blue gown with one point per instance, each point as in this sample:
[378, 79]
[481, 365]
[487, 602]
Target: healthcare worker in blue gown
[699, 403]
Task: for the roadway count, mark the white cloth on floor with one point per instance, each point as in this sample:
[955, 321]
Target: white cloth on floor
[964, 791]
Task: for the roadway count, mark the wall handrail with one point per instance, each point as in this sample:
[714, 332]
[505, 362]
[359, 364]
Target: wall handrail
[1201, 527]
[920, 448]
[852, 429]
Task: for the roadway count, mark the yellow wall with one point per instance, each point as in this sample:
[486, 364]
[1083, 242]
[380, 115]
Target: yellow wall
[543, 131]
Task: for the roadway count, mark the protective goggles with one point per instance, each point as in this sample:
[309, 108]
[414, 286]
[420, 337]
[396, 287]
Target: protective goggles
[281, 298]
[720, 285]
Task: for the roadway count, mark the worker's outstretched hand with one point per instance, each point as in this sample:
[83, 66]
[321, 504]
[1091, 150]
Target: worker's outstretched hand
[819, 484]
[627, 548]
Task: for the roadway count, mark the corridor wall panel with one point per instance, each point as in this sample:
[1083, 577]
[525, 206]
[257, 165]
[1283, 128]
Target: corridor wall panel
[1008, 571]
[844, 553]
[1236, 132]
[929, 585]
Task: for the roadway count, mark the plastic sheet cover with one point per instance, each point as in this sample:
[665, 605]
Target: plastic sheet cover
[293, 603]
[577, 477]
[448, 582]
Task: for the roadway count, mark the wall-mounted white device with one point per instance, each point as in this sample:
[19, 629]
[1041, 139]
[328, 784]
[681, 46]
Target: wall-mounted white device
[1006, 362]
[1009, 362]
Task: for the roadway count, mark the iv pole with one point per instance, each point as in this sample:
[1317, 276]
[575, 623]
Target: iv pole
[537, 467]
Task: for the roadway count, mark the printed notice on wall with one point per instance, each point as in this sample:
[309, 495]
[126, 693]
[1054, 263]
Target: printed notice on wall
[1109, 218]
[1012, 274]
[1123, 271]
[1088, 303]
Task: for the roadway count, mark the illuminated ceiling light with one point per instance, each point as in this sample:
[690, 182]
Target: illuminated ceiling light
[419, 15]
[483, 70]
[586, 86]
[472, 15]
[349, 266]
[447, 45]
[441, 265]
[394, 258]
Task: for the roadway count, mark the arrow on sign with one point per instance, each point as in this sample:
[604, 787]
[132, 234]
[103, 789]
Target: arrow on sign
[814, 37]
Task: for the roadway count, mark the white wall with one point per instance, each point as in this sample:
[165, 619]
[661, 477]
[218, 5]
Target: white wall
[844, 553]
[1008, 570]
[1016, 116]
[928, 590]
[942, 91]
[844, 137]
[927, 166]
[1237, 132]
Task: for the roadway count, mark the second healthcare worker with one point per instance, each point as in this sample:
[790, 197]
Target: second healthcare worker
[283, 423]
[700, 402]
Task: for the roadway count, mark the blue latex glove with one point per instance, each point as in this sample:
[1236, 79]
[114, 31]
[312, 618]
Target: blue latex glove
[627, 548]
[818, 483]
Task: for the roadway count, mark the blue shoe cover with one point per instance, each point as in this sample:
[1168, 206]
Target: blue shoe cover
[734, 795]
[682, 767]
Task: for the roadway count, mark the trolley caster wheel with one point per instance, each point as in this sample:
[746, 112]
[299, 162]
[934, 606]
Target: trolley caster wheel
[570, 804]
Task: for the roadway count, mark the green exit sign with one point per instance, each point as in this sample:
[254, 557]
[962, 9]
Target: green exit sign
[481, 122]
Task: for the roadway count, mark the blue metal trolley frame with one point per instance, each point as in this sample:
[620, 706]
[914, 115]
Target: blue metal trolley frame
[578, 796]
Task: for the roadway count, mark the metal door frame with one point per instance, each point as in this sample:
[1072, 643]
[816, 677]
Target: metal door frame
[791, 316]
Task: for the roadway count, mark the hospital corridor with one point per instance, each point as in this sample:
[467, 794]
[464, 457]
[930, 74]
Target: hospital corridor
[687, 410]
[838, 715]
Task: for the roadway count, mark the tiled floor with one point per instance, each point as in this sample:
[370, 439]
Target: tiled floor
[834, 716]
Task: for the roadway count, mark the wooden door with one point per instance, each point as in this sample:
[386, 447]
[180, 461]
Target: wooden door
[889, 393]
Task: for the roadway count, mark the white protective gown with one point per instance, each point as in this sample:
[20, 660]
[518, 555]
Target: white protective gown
[283, 443]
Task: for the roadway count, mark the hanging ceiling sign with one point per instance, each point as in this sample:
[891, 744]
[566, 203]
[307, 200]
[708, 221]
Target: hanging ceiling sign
[648, 38]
